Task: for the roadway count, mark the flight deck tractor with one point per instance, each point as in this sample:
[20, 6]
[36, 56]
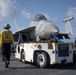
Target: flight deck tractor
[44, 52]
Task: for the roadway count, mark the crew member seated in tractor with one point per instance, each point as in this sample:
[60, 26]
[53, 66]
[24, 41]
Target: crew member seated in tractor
[55, 38]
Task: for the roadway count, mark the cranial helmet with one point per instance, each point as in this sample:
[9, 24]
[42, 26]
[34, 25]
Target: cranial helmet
[7, 26]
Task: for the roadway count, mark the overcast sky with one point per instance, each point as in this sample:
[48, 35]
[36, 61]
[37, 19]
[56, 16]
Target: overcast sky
[23, 11]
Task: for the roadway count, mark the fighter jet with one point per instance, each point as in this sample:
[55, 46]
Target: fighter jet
[40, 27]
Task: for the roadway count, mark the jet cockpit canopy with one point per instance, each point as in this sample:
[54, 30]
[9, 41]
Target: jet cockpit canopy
[40, 17]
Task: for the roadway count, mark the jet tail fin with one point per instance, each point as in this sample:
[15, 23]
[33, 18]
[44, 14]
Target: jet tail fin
[68, 28]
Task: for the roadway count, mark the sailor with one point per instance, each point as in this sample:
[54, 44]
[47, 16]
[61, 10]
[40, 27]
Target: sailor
[55, 38]
[7, 42]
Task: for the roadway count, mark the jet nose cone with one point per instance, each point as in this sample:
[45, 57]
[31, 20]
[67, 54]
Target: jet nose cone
[50, 28]
[55, 29]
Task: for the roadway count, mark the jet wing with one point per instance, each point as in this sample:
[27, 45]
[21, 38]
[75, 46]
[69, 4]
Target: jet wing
[27, 30]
